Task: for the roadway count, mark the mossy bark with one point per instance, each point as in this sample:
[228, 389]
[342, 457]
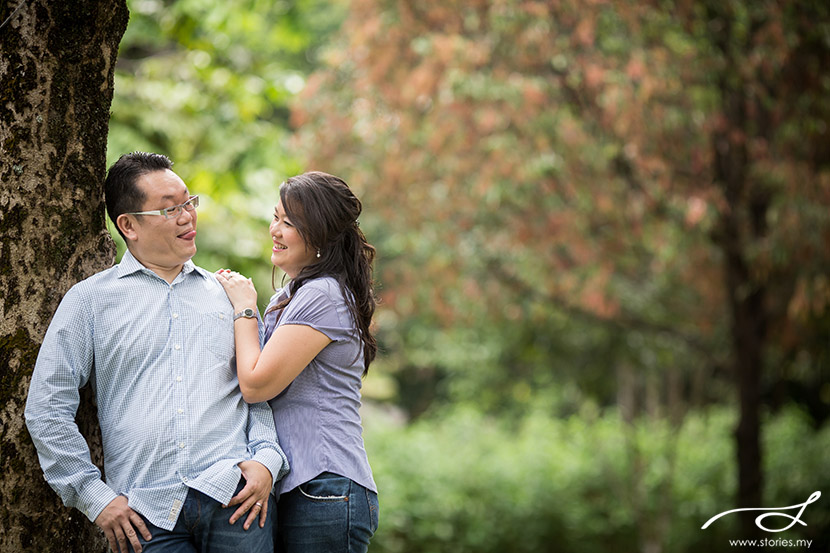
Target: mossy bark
[56, 86]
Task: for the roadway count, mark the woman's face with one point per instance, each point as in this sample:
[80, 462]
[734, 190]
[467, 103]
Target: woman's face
[288, 251]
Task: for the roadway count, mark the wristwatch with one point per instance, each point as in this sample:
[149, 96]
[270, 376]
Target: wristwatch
[248, 313]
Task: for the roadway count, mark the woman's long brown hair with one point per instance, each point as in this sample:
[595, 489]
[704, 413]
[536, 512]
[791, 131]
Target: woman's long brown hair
[325, 212]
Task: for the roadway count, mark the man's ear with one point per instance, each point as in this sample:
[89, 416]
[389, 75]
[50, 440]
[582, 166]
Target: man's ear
[127, 226]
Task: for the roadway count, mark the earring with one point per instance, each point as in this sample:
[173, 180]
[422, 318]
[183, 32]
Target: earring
[318, 254]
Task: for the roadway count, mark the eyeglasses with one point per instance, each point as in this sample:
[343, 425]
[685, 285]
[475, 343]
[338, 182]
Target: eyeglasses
[172, 211]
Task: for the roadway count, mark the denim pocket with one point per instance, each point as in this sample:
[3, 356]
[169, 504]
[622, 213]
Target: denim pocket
[374, 508]
[326, 487]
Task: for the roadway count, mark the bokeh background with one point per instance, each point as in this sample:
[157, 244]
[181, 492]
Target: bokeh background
[603, 245]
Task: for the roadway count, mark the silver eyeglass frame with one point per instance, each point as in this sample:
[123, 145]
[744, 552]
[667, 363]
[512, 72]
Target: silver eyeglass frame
[173, 211]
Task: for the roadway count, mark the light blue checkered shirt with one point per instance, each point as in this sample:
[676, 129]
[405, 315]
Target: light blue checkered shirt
[160, 358]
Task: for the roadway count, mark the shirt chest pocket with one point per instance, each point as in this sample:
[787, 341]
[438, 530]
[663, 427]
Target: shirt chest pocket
[215, 330]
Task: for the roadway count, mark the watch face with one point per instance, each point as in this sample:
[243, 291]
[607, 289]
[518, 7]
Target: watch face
[248, 313]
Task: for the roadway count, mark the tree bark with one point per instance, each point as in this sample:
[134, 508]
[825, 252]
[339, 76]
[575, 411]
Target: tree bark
[56, 86]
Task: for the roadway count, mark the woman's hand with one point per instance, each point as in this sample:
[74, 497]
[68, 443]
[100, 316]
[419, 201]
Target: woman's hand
[240, 290]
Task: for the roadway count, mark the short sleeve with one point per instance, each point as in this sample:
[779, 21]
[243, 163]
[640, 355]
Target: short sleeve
[320, 307]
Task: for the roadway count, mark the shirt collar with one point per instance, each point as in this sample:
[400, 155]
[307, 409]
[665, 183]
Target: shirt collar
[130, 265]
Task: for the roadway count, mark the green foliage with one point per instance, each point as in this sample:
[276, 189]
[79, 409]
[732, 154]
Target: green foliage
[208, 83]
[464, 481]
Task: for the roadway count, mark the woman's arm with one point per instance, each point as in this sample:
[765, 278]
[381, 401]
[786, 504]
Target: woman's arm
[289, 350]
[264, 374]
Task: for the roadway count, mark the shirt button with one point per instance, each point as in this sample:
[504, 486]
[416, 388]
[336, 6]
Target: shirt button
[180, 411]
[184, 478]
[221, 316]
[178, 379]
[175, 315]
[177, 346]
[181, 445]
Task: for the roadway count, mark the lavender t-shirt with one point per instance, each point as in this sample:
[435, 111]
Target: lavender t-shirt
[317, 416]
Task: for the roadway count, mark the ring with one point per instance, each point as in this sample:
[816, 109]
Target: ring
[258, 504]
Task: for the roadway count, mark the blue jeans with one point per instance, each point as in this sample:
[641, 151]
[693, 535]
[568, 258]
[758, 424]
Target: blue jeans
[329, 514]
[203, 527]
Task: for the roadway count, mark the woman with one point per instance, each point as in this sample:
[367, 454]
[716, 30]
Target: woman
[318, 345]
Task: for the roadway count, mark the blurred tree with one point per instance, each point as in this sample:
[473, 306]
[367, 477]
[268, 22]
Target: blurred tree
[592, 189]
[499, 157]
[769, 173]
[56, 84]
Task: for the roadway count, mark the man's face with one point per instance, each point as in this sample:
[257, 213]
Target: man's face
[160, 242]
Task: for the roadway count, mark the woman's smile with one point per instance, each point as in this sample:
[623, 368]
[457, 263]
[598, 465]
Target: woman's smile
[289, 252]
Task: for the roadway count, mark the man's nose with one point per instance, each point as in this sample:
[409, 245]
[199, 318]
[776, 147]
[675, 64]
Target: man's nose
[188, 216]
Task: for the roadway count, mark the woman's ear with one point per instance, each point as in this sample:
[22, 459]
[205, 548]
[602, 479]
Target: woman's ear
[127, 226]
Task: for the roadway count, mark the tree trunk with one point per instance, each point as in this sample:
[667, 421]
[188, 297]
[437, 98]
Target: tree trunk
[56, 86]
[742, 223]
[746, 305]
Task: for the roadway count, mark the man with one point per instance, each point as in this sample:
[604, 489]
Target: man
[153, 335]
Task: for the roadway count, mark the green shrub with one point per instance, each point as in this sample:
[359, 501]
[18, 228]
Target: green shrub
[462, 481]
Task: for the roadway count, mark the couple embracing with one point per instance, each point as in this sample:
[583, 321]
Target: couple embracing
[222, 430]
